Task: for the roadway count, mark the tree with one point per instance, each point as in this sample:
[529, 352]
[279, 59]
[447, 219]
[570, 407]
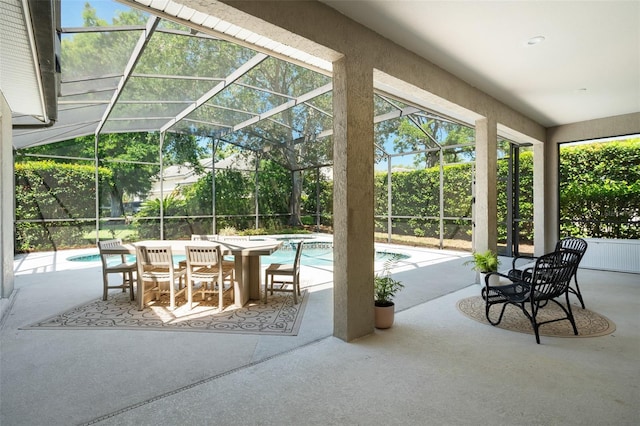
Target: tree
[132, 159]
[289, 137]
[427, 133]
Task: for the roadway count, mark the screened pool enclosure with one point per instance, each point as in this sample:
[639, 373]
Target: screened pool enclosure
[164, 131]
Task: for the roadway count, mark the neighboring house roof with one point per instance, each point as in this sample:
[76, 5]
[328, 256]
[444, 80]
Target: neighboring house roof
[183, 175]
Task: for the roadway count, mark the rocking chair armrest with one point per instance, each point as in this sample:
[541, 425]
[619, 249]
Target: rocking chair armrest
[527, 258]
[489, 274]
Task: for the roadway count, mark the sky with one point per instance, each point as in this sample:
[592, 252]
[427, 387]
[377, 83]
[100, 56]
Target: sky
[71, 10]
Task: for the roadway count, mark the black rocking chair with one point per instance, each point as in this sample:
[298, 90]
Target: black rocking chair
[570, 243]
[543, 283]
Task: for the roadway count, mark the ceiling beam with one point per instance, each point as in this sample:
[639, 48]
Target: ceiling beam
[143, 41]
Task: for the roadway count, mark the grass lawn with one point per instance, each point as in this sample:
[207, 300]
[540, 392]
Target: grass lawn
[110, 233]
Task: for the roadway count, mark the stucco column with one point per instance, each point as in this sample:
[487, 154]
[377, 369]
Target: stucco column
[352, 199]
[485, 232]
[6, 203]
[545, 195]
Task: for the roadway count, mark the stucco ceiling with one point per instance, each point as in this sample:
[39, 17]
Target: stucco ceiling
[587, 67]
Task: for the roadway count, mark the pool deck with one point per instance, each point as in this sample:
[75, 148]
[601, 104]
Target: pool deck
[434, 366]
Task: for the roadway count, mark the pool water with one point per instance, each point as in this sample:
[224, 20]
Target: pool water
[313, 254]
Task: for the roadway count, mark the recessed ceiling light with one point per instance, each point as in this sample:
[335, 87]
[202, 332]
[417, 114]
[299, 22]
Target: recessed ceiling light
[535, 40]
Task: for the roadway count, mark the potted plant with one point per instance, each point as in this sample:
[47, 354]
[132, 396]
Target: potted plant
[385, 289]
[485, 262]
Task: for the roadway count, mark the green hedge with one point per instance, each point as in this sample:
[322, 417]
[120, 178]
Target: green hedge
[51, 191]
[599, 194]
[417, 193]
[599, 197]
[600, 190]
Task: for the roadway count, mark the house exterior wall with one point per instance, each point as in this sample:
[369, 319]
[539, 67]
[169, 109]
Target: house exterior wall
[6, 206]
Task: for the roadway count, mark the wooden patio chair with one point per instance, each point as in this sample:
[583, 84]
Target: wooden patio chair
[285, 275]
[121, 267]
[205, 265]
[155, 266]
[227, 265]
[543, 283]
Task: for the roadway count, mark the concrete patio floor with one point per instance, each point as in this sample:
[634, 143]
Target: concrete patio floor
[435, 366]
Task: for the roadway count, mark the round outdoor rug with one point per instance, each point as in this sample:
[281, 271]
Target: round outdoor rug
[589, 323]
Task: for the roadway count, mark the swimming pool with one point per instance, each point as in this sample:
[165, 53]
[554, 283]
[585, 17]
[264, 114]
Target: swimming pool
[314, 253]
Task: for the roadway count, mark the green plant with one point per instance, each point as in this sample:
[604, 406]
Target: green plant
[228, 230]
[484, 262]
[385, 287]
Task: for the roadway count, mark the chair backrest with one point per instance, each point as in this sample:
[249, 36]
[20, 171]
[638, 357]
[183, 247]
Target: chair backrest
[552, 272]
[109, 244]
[199, 237]
[572, 243]
[296, 261]
[233, 238]
[203, 256]
[149, 257]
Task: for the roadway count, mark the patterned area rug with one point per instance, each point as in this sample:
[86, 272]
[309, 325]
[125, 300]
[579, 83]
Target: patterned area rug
[280, 316]
[589, 323]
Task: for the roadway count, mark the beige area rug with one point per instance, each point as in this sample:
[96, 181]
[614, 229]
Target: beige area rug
[589, 323]
[280, 316]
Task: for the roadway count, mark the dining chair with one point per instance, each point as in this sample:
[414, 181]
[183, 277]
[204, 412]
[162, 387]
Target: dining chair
[126, 269]
[204, 264]
[198, 237]
[285, 275]
[155, 266]
[227, 265]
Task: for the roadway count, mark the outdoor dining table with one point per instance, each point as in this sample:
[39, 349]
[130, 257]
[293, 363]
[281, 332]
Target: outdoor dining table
[246, 255]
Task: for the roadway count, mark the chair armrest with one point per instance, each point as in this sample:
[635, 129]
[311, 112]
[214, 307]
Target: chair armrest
[487, 276]
[526, 258]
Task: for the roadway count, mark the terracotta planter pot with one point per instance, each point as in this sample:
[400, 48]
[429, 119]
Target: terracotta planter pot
[384, 316]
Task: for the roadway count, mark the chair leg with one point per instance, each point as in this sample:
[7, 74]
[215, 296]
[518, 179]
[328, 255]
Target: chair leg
[486, 313]
[295, 291]
[140, 293]
[534, 322]
[266, 285]
[220, 296]
[172, 296]
[105, 287]
[535, 329]
[569, 313]
[131, 295]
[576, 291]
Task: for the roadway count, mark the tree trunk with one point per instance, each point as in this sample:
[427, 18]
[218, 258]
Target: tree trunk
[116, 207]
[294, 201]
